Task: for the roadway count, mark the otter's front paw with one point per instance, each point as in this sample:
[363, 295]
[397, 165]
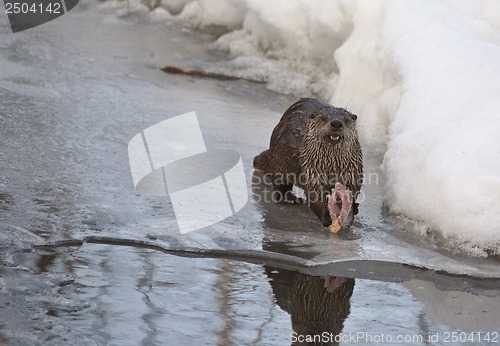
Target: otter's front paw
[326, 220]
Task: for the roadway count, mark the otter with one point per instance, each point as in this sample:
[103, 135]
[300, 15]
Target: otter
[314, 146]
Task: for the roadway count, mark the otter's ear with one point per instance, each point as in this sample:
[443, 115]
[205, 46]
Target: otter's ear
[353, 116]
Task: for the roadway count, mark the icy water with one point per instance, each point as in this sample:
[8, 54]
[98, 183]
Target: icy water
[86, 260]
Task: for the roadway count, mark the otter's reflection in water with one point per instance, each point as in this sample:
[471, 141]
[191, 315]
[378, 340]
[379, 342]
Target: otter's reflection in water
[318, 306]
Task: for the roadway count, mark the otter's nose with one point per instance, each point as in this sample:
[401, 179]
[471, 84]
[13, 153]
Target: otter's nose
[336, 124]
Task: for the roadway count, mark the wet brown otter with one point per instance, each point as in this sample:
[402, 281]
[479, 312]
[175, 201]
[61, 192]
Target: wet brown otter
[314, 146]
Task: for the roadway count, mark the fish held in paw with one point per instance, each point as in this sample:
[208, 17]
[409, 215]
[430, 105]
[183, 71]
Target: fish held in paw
[340, 207]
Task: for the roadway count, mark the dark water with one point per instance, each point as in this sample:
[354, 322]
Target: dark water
[101, 294]
[73, 92]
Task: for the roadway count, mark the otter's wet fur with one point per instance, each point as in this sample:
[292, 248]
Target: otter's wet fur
[314, 146]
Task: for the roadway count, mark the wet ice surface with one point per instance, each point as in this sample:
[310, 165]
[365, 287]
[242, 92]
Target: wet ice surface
[73, 93]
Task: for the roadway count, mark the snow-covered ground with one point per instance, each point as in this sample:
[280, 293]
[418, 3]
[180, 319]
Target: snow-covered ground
[423, 77]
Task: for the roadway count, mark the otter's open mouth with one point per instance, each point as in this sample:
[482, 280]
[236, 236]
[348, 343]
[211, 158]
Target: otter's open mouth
[335, 137]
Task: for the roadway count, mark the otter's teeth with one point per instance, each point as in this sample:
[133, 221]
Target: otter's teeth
[334, 137]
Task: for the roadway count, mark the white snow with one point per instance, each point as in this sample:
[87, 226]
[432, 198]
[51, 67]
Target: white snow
[423, 77]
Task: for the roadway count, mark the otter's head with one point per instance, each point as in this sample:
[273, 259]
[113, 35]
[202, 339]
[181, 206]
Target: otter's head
[333, 125]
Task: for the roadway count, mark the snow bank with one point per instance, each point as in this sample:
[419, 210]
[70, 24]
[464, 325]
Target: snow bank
[443, 158]
[424, 78]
